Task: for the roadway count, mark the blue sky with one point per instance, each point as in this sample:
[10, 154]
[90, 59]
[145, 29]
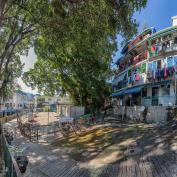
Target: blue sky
[157, 14]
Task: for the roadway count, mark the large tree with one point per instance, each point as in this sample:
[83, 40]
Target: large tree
[19, 26]
[16, 33]
[75, 47]
[74, 43]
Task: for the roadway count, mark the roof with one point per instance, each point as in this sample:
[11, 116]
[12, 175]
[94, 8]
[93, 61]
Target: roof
[131, 90]
[163, 32]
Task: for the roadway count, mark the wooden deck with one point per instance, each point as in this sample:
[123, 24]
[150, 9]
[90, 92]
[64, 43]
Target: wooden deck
[155, 160]
[151, 166]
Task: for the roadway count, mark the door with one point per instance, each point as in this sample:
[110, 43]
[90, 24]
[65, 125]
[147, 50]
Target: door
[155, 96]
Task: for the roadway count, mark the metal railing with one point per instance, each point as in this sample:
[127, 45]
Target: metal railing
[165, 49]
[35, 132]
[159, 100]
[11, 166]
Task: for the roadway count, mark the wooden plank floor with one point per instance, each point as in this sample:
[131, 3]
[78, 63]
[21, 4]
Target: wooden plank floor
[153, 162]
[154, 166]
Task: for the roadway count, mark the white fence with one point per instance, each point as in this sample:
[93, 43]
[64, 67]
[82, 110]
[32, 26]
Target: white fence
[154, 113]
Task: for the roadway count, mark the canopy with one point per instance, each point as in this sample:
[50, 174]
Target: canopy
[119, 93]
[133, 90]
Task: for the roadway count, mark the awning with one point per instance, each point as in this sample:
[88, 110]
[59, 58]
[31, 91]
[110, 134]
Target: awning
[133, 90]
[119, 93]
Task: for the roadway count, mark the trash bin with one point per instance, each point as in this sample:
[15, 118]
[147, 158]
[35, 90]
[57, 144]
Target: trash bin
[22, 162]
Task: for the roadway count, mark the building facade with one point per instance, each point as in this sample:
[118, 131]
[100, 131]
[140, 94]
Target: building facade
[66, 108]
[147, 70]
[43, 101]
[18, 101]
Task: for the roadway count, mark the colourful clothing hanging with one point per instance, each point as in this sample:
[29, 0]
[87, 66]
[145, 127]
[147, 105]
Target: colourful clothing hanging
[137, 78]
[153, 48]
[165, 73]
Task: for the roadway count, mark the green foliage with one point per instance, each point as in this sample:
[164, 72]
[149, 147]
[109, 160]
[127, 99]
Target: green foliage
[16, 33]
[76, 44]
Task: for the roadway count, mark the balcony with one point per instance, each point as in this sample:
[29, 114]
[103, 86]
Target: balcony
[159, 100]
[162, 49]
[171, 48]
[133, 61]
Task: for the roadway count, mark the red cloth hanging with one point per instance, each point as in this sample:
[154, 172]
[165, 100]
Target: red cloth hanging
[137, 77]
[153, 48]
[165, 73]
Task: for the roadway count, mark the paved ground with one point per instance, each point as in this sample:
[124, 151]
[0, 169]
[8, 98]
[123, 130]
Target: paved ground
[157, 158]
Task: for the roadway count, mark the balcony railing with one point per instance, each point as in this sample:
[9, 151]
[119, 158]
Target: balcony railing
[171, 48]
[159, 100]
[134, 61]
[164, 49]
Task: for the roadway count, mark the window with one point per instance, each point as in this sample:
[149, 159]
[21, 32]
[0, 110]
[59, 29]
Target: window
[144, 92]
[155, 94]
[7, 105]
[155, 91]
[175, 40]
[165, 90]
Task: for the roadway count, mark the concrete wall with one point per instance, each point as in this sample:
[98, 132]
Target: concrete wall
[155, 113]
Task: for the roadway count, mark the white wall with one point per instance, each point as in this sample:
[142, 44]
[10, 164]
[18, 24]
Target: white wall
[174, 21]
[154, 113]
[17, 100]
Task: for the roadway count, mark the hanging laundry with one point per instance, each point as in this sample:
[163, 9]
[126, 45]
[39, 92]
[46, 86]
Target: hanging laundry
[165, 73]
[153, 74]
[158, 74]
[130, 80]
[134, 77]
[153, 48]
[171, 71]
[162, 73]
[137, 78]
